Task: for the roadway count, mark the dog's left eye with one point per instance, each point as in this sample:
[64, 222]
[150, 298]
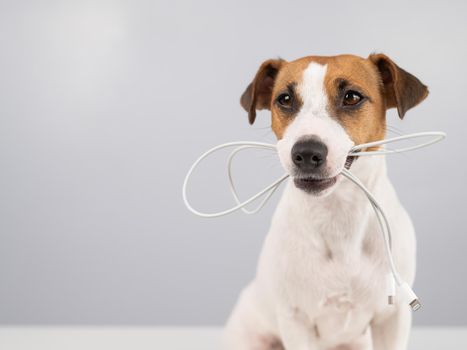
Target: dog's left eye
[285, 100]
[352, 98]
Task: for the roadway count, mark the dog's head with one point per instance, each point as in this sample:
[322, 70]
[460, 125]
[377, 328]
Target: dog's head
[322, 106]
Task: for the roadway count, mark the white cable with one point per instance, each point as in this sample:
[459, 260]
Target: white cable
[437, 136]
[241, 205]
[232, 185]
[354, 151]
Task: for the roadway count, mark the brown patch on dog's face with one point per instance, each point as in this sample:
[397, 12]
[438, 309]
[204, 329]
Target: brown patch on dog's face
[344, 73]
[287, 82]
[353, 88]
[358, 91]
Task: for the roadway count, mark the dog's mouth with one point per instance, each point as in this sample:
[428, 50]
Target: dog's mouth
[315, 185]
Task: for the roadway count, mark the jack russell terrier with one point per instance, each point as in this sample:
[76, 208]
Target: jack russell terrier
[321, 277]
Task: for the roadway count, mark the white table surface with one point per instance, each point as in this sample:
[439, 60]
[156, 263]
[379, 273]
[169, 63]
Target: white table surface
[157, 338]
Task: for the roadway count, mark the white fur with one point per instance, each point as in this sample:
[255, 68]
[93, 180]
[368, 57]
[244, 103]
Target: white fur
[314, 120]
[320, 282]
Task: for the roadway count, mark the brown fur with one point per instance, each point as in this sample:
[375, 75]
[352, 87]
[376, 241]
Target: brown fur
[400, 88]
[383, 83]
[368, 122]
[257, 95]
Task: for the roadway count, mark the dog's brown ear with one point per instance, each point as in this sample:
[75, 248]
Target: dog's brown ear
[401, 89]
[258, 93]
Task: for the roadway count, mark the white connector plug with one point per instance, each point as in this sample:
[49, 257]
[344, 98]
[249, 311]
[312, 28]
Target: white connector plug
[409, 295]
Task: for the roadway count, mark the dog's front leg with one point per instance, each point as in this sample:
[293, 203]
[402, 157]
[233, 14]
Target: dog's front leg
[294, 332]
[392, 333]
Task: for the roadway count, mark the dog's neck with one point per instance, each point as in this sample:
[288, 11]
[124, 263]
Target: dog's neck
[338, 220]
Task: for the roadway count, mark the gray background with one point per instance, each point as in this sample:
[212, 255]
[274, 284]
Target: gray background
[104, 105]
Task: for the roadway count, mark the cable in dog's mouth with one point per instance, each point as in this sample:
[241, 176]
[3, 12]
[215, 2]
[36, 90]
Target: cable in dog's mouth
[313, 183]
[349, 161]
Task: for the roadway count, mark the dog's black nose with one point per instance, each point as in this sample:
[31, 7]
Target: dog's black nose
[309, 154]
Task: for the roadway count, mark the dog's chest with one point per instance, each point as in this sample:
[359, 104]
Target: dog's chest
[324, 279]
[337, 295]
[329, 273]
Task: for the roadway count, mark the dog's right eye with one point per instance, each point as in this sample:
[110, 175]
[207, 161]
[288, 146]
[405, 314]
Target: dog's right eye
[284, 100]
[352, 98]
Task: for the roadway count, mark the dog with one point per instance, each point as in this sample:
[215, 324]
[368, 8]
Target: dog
[321, 276]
